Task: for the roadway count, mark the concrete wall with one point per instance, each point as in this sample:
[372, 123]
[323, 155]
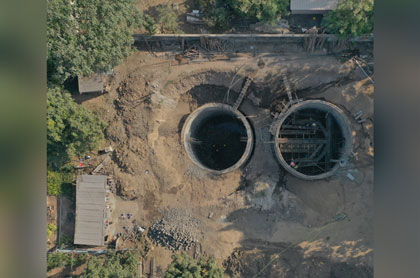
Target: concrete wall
[286, 42]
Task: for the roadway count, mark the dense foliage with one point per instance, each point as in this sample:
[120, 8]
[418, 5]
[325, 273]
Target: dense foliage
[183, 266]
[122, 265]
[85, 36]
[72, 130]
[220, 14]
[350, 18]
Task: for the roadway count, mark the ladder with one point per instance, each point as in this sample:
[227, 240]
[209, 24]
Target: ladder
[243, 93]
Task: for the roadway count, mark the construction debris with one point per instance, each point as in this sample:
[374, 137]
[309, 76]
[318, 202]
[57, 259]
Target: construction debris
[133, 233]
[314, 41]
[364, 72]
[111, 184]
[101, 165]
[107, 150]
[195, 17]
[214, 44]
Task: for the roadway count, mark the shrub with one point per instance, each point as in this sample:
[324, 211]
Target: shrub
[57, 182]
[56, 260]
[51, 228]
[54, 183]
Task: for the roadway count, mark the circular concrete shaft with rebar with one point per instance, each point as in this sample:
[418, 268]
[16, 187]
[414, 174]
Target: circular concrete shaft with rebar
[313, 139]
[217, 138]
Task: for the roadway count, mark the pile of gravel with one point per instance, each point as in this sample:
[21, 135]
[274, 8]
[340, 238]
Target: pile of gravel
[177, 230]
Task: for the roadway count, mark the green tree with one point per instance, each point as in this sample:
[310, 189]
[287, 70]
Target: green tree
[167, 19]
[72, 130]
[350, 18]
[86, 36]
[221, 14]
[183, 266]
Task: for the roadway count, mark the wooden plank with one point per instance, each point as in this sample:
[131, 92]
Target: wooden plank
[300, 127]
[301, 141]
[296, 150]
[298, 132]
[288, 91]
[152, 267]
[99, 167]
[242, 94]
[142, 267]
[328, 148]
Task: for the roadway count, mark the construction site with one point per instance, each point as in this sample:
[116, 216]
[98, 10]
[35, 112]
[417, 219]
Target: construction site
[256, 150]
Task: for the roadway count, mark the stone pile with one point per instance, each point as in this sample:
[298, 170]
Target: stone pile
[177, 230]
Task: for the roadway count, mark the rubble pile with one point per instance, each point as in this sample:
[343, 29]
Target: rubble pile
[177, 230]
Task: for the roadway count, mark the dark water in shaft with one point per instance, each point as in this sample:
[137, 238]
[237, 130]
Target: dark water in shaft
[220, 141]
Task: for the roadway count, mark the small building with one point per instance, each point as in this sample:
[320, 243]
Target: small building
[195, 17]
[312, 6]
[90, 210]
[91, 84]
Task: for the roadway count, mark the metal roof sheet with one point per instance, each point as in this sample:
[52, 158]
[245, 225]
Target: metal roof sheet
[93, 83]
[312, 5]
[90, 210]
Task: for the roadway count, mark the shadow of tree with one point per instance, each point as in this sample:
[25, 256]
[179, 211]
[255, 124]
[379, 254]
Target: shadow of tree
[258, 258]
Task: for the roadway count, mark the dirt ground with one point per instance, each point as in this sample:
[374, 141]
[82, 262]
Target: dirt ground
[258, 209]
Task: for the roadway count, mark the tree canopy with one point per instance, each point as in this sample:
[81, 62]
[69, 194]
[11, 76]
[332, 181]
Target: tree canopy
[350, 18]
[167, 19]
[71, 129]
[86, 36]
[220, 14]
[183, 266]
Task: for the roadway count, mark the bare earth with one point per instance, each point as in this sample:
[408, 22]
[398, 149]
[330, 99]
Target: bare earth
[257, 220]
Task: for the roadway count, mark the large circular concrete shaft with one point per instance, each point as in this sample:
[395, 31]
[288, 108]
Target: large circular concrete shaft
[313, 139]
[217, 138]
